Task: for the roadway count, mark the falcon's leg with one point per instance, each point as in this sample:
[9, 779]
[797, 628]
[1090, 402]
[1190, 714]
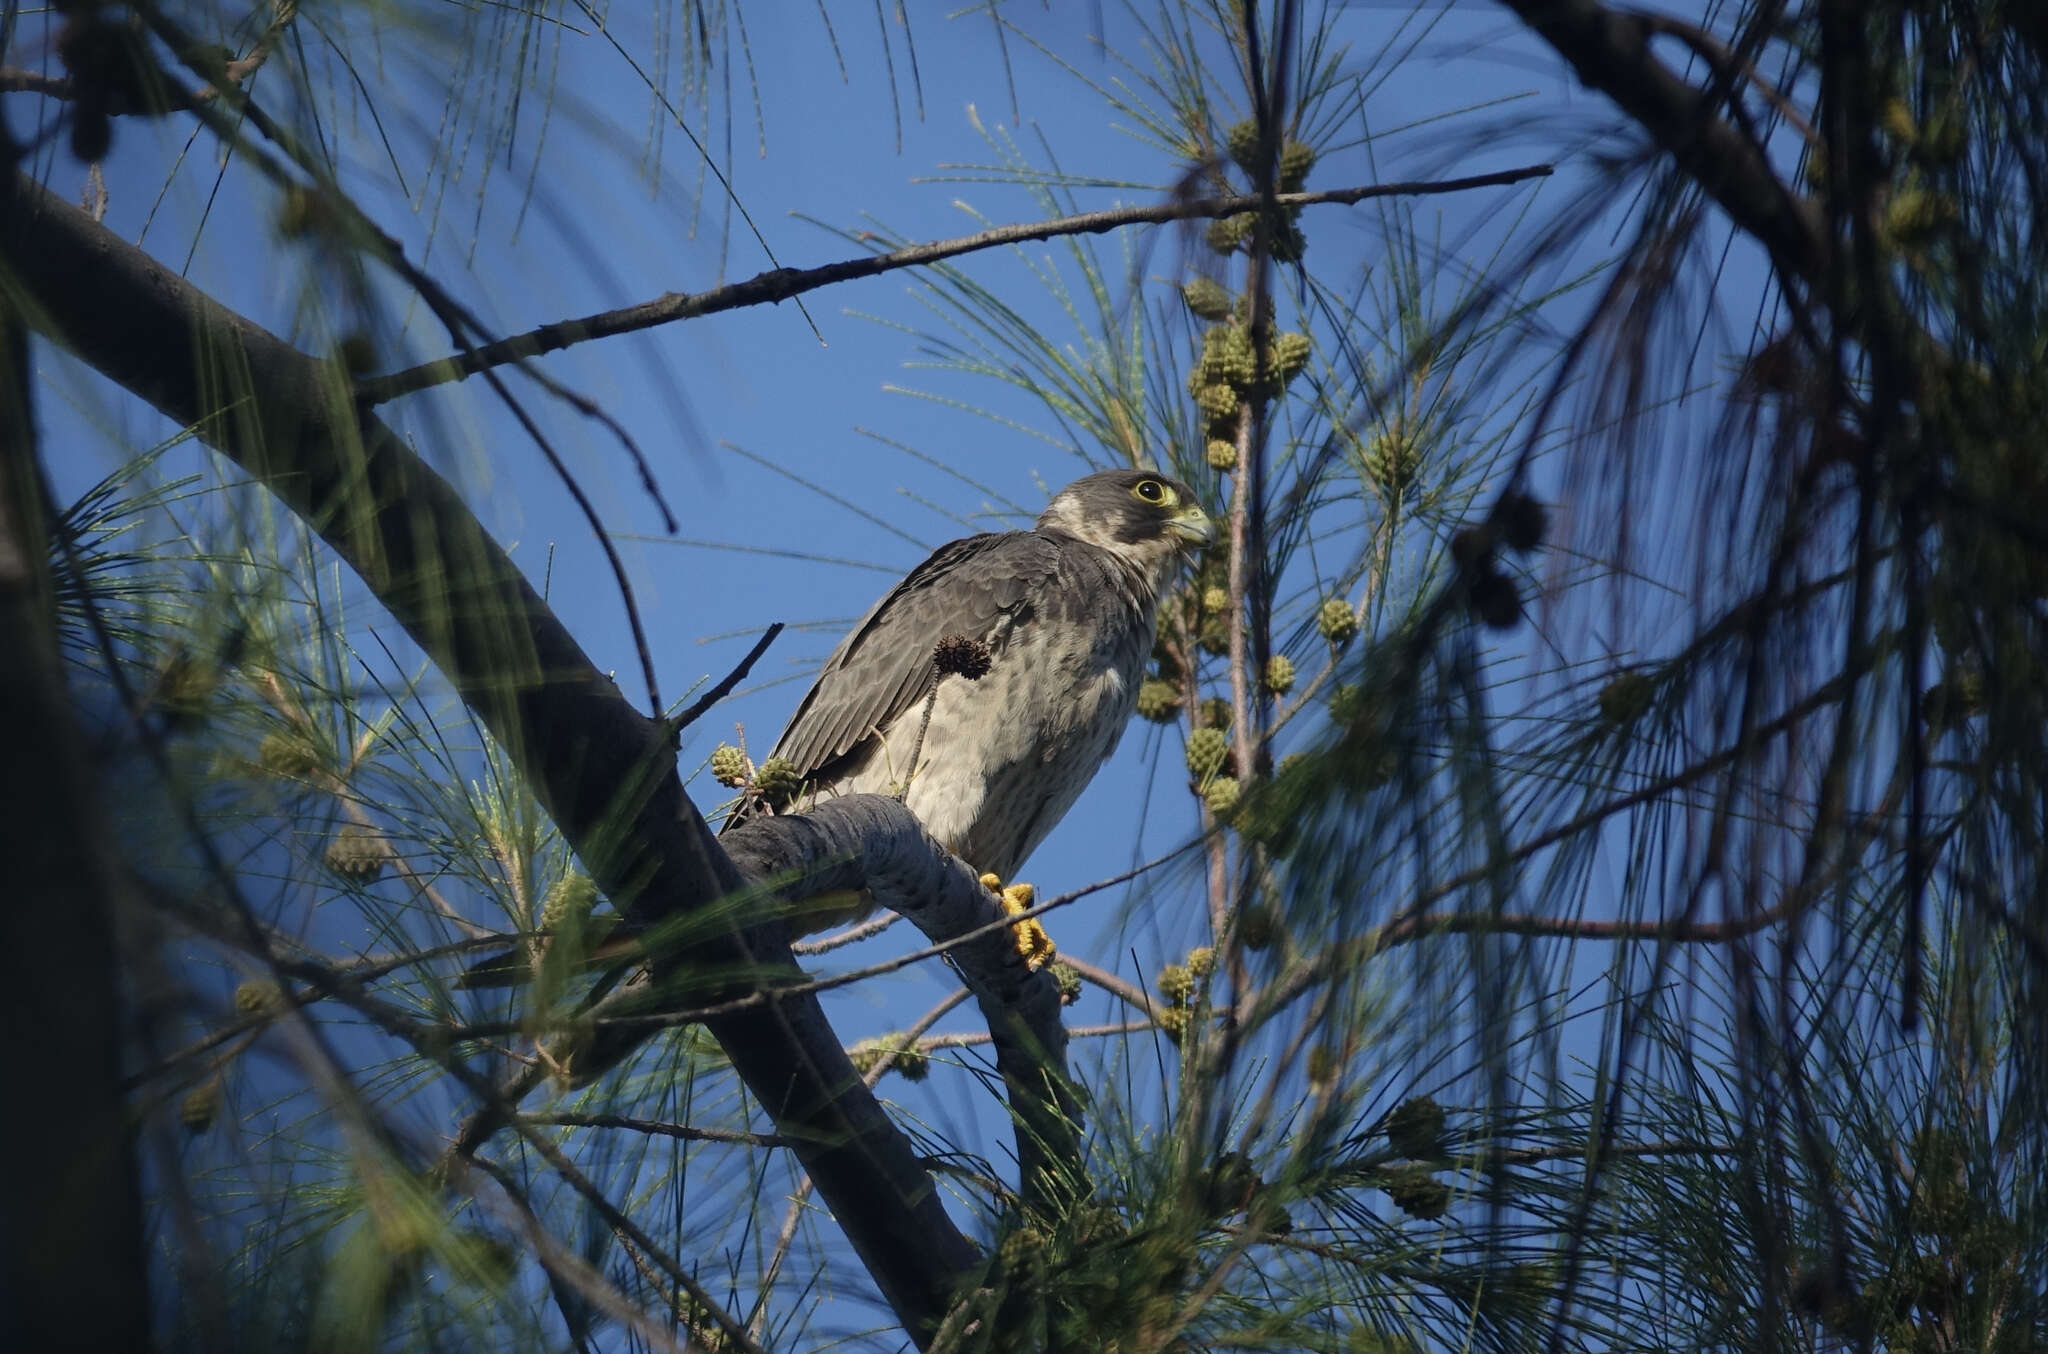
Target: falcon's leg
[1031, 938]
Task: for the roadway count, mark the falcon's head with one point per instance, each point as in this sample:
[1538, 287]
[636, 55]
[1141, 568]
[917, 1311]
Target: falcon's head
[1141, 515]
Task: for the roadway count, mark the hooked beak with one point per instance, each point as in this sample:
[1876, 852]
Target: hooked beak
[1193, 525]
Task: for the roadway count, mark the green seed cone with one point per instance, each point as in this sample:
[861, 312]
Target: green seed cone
[1297, 158]
[1221, 796]
[200, 1107]
[1208, 298]
[1207, 750]
[1158, 700]
[1416, 1128]
[1625, 699]
[569, 899]
[1336, 621]
[777, 781]
[1241, 139]
[729, 765]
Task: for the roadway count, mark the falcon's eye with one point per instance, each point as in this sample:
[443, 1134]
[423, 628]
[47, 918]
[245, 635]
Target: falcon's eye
[1150, 491]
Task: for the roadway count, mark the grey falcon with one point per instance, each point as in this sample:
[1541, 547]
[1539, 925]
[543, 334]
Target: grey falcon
[1067, 611]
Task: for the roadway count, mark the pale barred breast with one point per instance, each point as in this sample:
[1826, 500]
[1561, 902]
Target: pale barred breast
[1005, 757]
[1046, 717]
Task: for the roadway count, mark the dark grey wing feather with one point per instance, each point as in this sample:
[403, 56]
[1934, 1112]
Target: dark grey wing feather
[968, 587]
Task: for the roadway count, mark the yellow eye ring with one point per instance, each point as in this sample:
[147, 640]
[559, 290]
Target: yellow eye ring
[1149, 491]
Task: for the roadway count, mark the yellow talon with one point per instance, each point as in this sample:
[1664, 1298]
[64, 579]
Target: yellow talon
[1031, 939]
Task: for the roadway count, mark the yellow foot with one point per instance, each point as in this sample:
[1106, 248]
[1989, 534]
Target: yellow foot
[1031, 939]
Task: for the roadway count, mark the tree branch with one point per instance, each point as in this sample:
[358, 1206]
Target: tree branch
[731, 1137]
[873, 845]
[780, 284]
[1611, 53]
[677, 723]
[603, 771]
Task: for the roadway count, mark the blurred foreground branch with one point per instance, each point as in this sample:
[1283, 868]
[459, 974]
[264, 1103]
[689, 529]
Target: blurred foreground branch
[72, 1251]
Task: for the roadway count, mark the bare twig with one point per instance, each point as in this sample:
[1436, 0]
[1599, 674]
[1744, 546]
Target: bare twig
[1130, 993]
[353, 227]
[866, 930]
[1416, 921]
[779, 284]
[15, 80]
[401, 1024]
[978, 1038]
[1729, 64]
[1671, 1147]
[653, 1127]
[696, 709]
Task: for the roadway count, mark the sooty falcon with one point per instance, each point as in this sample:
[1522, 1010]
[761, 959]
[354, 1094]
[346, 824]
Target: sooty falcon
[1067, 611]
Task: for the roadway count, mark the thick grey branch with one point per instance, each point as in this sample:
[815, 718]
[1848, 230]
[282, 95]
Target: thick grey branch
[603, 770]
[874, 844]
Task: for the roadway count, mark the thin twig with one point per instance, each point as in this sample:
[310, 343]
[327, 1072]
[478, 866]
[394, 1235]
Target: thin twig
[353, 227]
[654, 1128]
[596, 413]
[924, 724]
[1521, 1156]
[977, 1038]
[732, 679]
[1610, 51]
[780, 284]
[1728, 64]
[1416, 921]
[1129, 992]
[873, 926]
[400, 1024]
